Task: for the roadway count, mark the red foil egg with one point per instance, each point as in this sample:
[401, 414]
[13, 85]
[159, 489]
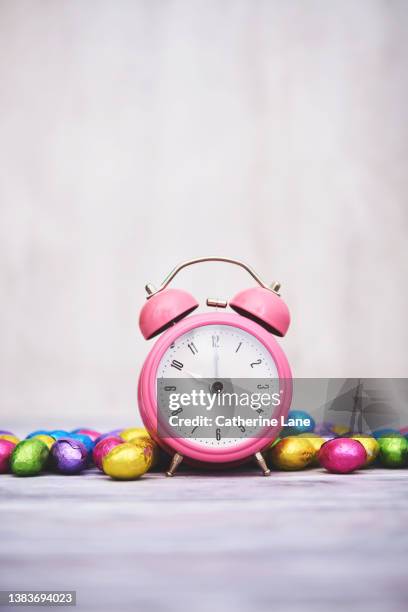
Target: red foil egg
[6, 449]
[103, 448]
[342, 455]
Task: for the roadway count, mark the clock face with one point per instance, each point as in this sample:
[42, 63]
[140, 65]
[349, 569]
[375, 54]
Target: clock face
[208, 356]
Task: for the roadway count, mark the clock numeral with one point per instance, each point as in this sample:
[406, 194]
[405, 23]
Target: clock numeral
[177, 364]
[259, 411]
[215, 341]
[257, 362]
[238, 347]
[176, 412]
[262, 386]
[172, 345]
[218, 434]
[170, 388]
[193, 348]
[242, 428]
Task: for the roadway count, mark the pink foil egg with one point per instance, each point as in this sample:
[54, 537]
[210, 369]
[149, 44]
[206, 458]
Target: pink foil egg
[91, 433]
[103, 448]
[342, 455]
[6, 449]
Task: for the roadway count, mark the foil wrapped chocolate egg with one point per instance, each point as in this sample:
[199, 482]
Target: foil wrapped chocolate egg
[103, 448]
[340, 430]
[292, 453]
[29, 457]
[324, 429]
[380, 433]
[6, 449]
[5, 431]
[302, 423]
[393, 451]
[372, 448]
[132, 433]
[316, 441]
[91, 433]
[86, 441]
[48, 440]
[69, 456]
[128, 461]
[10, 438]
[36, 433]
[155, 455]
[58, 433]
[108, 434]
[342, 455]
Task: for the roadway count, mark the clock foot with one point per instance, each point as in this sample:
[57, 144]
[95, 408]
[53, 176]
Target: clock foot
[262, 464]
[175, 462]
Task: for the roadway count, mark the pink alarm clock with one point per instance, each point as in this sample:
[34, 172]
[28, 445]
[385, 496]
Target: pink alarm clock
[209, 347]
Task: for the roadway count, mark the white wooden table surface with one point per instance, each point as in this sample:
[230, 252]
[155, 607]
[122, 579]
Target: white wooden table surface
[228, 541]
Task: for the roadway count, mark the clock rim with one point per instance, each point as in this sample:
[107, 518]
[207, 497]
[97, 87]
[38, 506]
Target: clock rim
[147, 388]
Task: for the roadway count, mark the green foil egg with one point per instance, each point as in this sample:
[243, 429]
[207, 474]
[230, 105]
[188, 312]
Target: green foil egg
[29, 457]
[393, 451]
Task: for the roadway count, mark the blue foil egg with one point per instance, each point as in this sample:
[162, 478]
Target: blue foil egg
[86, 440]
[380, 433]
[301, 427]
[43, 432]
[58, 433]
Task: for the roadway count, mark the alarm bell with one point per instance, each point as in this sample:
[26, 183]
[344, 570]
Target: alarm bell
[164, 308]
[263, 306]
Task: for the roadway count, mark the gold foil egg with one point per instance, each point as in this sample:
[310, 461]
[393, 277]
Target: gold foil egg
[292, 453]
[10, 438]
[340, 430]
[128, 461]
[315, 440]
[48, 440]
[372, 448]
[134, 434]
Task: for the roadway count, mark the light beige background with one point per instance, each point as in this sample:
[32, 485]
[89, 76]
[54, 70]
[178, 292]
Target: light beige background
[136, 134]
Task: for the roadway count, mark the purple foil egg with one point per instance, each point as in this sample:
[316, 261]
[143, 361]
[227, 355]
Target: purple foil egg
[324, 429]
[68, 456]
[342, 455]
[4, 431]
[103, 447]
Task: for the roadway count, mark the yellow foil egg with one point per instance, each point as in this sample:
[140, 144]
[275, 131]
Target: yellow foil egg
[128, 461]
[48, 440]
[10, 438]
[292, 453]
[133, 433]
[371, 446]
[148, 442]
[315, 440]
[340, 430]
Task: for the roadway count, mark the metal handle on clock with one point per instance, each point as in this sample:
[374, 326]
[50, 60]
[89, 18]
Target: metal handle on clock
[151, 290]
